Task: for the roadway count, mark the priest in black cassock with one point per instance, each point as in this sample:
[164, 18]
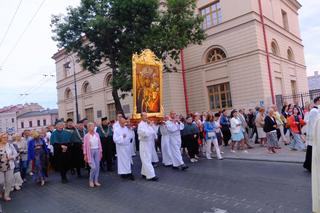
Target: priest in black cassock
[106, 133]
[60, 139]
[75, 147]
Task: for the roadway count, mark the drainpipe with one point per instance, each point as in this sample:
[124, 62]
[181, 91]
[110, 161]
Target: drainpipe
[266, 49]
[184, 81]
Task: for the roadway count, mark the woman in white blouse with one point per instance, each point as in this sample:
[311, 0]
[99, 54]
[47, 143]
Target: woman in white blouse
[92, 151]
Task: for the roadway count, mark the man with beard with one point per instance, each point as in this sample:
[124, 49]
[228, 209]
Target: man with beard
[60, 139]
[105, 133]
[75, 147]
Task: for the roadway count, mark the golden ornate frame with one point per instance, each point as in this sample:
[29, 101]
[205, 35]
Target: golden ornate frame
[147, 58]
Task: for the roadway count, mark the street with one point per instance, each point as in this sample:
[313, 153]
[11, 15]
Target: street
[233, 186]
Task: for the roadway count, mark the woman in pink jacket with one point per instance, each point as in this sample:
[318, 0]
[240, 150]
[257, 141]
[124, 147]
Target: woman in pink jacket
[92, 152]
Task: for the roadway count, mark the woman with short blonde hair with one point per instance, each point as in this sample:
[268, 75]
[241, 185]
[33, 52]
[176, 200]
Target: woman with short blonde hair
[92, 151]
[7, 156]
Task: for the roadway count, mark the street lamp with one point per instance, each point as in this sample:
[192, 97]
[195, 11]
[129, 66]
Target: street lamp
[67, 66]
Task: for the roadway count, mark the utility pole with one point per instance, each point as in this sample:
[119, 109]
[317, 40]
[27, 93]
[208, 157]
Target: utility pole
[75, 85]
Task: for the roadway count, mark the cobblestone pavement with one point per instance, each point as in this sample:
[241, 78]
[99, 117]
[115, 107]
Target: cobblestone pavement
[210, 186]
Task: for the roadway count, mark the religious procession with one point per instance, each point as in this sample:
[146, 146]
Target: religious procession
[86, 148]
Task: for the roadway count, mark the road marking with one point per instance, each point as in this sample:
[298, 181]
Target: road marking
[216, 210]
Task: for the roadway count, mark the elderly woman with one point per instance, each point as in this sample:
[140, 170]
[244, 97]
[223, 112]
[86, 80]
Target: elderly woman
[38, 152]
[270, 127]
[17, 180]
[92, 151]
[259, 124]
[22, 145]
[7, 156]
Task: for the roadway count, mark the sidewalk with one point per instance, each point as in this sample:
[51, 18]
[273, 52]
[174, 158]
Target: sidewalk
[259, 153]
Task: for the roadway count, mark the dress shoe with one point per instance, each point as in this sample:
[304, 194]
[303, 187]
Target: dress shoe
[155, 178]
[184, 167]
[131, 177]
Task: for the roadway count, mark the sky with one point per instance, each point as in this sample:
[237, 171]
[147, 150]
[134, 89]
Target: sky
[27, 48]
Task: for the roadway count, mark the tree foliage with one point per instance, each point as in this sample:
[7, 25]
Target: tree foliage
[110, 31]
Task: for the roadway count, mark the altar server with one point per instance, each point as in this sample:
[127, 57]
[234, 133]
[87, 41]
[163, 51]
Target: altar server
[316, 167]
[147, 134]
[123, 140]
[174, 127]
[165, 143]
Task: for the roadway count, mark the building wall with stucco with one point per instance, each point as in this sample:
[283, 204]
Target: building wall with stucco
[243, 70]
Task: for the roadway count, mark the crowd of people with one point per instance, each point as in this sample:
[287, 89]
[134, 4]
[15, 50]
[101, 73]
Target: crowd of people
[91, 147]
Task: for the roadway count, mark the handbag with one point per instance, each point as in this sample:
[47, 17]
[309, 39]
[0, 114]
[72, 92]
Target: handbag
[211, 134]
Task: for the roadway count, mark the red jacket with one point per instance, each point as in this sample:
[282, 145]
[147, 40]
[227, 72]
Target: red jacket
[294, 127]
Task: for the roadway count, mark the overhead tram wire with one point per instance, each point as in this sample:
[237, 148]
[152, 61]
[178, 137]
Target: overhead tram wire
[10, 23]
[22, 34]
[46, 78]
[26, 92]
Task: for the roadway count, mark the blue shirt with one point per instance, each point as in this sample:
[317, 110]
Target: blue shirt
[209, 126]
[224, 121]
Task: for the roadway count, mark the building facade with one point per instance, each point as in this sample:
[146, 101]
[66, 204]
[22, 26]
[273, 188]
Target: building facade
[314, 82]
[36, 120]
[228, 70]
[8, 115]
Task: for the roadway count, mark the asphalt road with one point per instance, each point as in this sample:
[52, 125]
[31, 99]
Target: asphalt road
[233, 186]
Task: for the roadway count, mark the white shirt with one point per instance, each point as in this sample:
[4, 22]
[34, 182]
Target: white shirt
[234, 122]
[94, 142]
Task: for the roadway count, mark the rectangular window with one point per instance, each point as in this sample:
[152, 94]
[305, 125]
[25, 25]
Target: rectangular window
[99, 114]
[30, 123]
[220, 96]
[67, 69]
[38, 123]
[293, 87]
[111, 111]
[70, 115]
[89, 114]
[285, 20]
[44, 122]
[22, 125]
[12, 119]
[212, 15]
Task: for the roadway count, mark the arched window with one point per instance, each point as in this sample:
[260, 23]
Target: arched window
[275, 48]
[86, 88]
[215, 55]
[109, 80]
[290, 54]
[67, 93]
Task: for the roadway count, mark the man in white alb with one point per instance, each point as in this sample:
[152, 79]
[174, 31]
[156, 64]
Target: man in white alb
[147, 134]
[316, 162]
[174, 127]
[123, 139]
[165, 143]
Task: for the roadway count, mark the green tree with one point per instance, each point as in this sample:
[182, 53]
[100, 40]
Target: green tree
[110, 31]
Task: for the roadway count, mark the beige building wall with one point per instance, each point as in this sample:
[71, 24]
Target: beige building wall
[240, 36]
[245, 68]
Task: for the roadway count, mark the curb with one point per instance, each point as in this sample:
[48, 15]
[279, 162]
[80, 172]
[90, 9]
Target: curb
[264, 160]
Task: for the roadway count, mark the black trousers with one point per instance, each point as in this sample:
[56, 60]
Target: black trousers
[192, 145]
[62, 160]
[64, 167]
[108, 151]
[308, 161]
[226, 134]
